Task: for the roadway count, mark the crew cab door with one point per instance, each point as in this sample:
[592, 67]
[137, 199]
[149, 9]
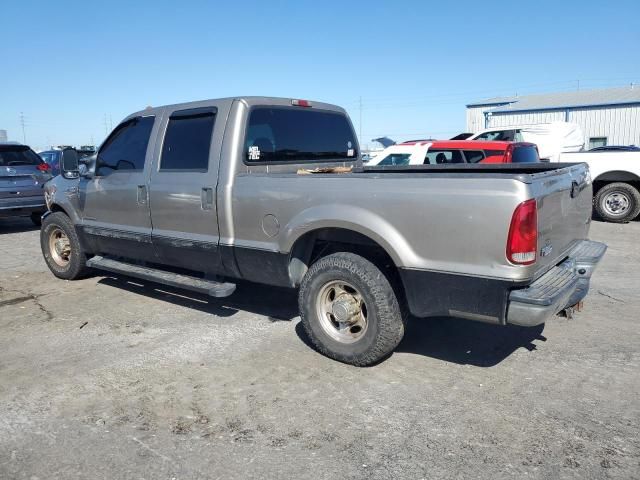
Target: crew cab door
[183, 188]
[114, 203]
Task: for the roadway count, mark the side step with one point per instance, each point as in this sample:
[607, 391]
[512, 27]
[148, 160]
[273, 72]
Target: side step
[208, 287]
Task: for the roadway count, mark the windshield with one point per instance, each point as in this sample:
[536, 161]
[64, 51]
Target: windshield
[15, 156]
[49, 157]
[396, 159]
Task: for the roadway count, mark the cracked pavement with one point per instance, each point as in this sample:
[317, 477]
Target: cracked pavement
[113, 378]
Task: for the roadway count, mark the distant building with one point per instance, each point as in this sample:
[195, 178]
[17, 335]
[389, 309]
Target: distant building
[3, 136]
[607, 116]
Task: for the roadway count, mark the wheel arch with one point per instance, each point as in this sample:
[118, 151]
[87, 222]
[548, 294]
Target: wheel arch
[356, 230]
[612, 176]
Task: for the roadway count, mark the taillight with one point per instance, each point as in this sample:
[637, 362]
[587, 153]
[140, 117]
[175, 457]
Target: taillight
[508, 154]
[522, 242]
[44, 167]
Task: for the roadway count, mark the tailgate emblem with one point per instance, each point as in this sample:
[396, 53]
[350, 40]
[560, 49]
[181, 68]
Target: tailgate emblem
[547, 249]
[11, 171]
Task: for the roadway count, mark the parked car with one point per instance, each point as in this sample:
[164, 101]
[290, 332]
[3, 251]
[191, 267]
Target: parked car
[552, 138]
[248, 188]
[462, 136]
[52, 158]
[437, 152]
[22, 177]
[616, 148]
[616, 182]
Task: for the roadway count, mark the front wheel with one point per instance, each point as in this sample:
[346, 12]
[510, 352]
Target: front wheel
[349, 310]
[61, 247]
[617, 202]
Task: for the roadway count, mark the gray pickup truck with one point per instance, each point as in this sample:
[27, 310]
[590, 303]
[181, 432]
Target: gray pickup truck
[273, 191]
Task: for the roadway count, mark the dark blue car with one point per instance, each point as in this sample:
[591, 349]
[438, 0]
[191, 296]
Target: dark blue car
[52, 158]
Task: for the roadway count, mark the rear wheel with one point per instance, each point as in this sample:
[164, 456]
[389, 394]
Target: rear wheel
[61, 247]
[349, 309]
[617, 202]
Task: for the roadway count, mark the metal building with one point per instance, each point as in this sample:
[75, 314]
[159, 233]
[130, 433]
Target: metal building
[607, 116]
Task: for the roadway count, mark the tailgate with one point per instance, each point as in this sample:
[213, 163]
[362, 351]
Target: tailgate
[21, 181]
[564, 212]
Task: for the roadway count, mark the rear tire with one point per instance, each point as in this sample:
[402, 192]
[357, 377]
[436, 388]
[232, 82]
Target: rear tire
[617, 202]
[349, 310]
[61, 247]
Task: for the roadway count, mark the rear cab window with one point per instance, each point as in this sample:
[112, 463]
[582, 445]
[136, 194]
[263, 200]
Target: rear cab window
[298, 135]
[525, 154]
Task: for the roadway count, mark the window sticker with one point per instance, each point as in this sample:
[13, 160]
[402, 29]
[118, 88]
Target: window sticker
[350, 152]
[254, 152]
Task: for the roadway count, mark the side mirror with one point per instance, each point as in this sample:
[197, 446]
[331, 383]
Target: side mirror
[69, 166]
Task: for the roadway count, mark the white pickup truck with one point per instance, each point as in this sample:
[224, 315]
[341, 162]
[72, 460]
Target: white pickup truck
[616, 182]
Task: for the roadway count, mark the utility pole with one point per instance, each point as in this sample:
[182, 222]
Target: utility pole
[106, 131]
[24, 135]
[361, 119]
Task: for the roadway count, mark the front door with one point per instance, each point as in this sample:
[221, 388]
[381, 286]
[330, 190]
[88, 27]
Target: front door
[183, 189]
[114, 202]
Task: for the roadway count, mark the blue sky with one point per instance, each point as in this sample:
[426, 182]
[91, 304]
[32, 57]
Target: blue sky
[70, 65]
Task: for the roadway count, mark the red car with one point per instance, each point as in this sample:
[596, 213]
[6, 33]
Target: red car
[437, 152]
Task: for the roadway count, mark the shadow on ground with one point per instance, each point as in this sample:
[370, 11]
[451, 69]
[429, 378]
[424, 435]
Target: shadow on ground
[467, 342]
[448, 339]
[278, 304]
[460, 341]
[16, 225]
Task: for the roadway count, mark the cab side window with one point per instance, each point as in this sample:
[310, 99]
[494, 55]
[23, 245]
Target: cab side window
[473, 156]
[126, 147]
[498, 135]
[188, 140]
[443, 157]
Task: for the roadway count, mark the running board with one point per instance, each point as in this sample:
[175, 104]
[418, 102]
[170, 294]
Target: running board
[208, 287]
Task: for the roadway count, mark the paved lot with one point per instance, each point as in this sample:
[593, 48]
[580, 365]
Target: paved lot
[165, 384]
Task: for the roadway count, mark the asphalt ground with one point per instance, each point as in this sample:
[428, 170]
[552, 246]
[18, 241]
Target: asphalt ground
[110, 378]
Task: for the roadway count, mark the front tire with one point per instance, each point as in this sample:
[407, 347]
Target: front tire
[349, 310]
[61, 247]
[617, 202]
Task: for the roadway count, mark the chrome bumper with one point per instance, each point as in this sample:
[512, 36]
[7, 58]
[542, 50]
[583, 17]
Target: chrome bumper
[561, 287]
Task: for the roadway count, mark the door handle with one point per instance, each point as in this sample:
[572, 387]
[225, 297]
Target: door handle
[206, 198]
[142, 194]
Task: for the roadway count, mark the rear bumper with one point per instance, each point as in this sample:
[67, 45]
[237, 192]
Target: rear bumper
[561, 287]
[10, 207]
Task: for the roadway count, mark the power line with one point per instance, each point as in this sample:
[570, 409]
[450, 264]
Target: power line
[24, 135]
[360, 123]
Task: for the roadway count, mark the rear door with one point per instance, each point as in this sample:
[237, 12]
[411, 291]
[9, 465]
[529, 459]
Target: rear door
[183, 187]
